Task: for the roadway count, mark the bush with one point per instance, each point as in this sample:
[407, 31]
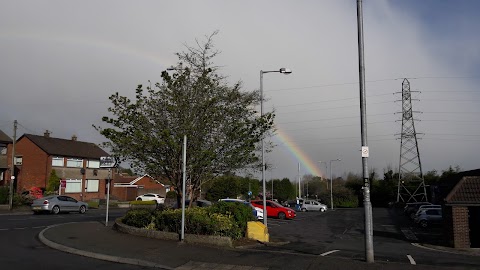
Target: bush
[139, 218]
[21, 200]
[171, 194]
[93, 204]
[241, 213]
[224, 219]
[143, 202]
[4, 194]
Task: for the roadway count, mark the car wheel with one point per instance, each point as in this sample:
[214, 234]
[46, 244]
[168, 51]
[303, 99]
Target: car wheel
[424, 223]
[322, 209]
[281, 215]
[56, 210]
[83, 209]
[304, 210]
[139, 199]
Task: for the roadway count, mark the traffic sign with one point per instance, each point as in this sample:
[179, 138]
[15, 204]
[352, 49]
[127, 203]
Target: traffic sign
[108, 162]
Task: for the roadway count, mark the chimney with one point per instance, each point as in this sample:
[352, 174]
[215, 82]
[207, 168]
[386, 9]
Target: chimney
[46, 134]
[74, 137]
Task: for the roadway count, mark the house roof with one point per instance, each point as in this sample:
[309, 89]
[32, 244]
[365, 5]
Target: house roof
[133, 182]
[448, 184]
[67, 148]
[4, 138]
[466, 191]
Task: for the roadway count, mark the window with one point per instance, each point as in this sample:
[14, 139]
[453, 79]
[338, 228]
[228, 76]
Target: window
[73, 186]
[18, 160]
[75, 162]
[92, 185]
[3, 150]
[58, 161]
[93, 164]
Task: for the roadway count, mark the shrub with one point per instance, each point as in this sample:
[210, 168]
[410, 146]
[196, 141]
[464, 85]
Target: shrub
[241, 213]
[139, 218]
[4, 191]
[93, 204]
[171, 194]
[20, 200]
[143, 202]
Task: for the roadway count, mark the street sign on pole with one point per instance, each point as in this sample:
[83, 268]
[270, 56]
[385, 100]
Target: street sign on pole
[108, 162]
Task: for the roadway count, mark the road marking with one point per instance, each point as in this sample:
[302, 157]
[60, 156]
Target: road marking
[409, 235]
[329, 252]
[20, 228]
[3, 229]
[38, 227]
[412, 261]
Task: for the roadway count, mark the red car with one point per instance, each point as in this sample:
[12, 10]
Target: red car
[275, 210]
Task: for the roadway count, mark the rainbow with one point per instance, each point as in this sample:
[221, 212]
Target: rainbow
[85, 41]
[310, 165]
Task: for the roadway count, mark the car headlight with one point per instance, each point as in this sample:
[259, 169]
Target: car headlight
[289, 211]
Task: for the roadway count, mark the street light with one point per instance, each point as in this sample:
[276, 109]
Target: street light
[331, 183]
[284, 71]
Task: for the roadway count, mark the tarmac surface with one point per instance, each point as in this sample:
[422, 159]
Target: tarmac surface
[95, 240]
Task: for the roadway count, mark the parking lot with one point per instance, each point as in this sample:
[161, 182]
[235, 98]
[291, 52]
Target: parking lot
[340, 233]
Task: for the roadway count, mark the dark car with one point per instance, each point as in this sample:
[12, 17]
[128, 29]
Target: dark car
[411, 208]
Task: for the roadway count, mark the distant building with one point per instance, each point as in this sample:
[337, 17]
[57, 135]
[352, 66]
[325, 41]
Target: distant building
[6, 144]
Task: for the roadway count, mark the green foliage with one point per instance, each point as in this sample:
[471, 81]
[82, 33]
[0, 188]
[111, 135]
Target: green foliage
[53, 182]
[20, 200]
[139, 218]
[93, 204]
[143, 203]
[171, 194]
[240, 212]
[283, 189]
[231, 186]
[4, 191]
[219, 120]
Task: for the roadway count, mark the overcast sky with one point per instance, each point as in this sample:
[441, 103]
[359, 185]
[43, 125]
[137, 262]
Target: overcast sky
[61, 60]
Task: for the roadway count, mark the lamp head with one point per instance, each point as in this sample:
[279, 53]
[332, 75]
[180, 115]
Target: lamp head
[285, 70]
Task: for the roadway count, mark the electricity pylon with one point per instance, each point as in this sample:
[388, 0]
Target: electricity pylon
[411, 185]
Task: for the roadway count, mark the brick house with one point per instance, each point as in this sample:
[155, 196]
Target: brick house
[127, 188]
[461, 213]
[75, 162]
[6, 144]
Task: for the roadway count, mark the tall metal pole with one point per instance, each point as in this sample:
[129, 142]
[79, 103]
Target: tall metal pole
[263, 156]
[12, 168]
[299, 186]
[331, 186]
[182, 236]
[369, 256]
[108, 195]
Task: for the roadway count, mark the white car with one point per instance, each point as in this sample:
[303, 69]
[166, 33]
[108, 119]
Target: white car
[151, 197]
[311, 205]
[258, 212]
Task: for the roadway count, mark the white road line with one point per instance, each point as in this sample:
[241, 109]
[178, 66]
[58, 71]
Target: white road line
[3, 229]
[329, 252]
[39, 227]
[20, 228]
[412, 261]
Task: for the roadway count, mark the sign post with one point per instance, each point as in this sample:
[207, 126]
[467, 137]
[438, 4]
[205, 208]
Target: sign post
[108, 162]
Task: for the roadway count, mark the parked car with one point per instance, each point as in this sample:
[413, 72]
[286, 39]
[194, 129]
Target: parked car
[428, 216]
[58, 203]
[151, 197]
[257, 211]
[411, 208]
[312, 205]
[197, 203]
[276, 210]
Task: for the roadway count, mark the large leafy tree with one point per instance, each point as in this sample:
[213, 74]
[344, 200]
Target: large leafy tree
[223, 129]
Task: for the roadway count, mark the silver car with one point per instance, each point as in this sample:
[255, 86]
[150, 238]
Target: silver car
[311, 205]
[58, 203]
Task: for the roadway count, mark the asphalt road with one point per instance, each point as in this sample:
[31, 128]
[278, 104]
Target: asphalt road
[340, 233]
[20, 248]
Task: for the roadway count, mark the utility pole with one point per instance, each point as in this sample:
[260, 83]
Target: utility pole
[299, 187]
[12, 169]
[365, 152]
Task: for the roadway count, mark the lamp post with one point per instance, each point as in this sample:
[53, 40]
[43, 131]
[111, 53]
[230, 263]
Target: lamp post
[331, 183]
[284, 71]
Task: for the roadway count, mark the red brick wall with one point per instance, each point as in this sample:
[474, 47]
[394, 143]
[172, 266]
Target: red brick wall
[461, 230]
[33, 172]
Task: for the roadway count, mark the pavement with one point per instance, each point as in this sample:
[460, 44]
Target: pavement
[95, 240]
